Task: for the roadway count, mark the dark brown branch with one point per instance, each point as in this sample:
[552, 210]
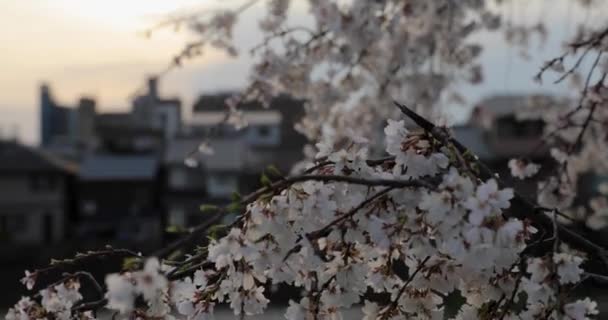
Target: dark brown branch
[79, 274]
[350, 213]
[94, 283]
[318, 233]
[395, 302]
[184, 272]
[278, 186]
[93, 305]
[574, 67]
[324, 162]
[196, 233]
[84, 258]
[509, 303]
[592, 41]
[530, 211]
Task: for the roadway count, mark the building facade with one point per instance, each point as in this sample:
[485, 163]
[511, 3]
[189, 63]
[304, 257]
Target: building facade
[37, 198]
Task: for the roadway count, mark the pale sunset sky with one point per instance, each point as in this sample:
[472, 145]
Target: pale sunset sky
[95, 48]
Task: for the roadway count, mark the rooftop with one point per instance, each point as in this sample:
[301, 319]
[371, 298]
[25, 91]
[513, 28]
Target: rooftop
[210, 118]
[20, 158]
[227, 154]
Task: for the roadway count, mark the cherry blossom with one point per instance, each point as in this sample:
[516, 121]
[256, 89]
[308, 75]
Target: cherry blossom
[599, 213]
[488, 201]
[568, 267]
[120, 293]
[29, 280]
[56, 302]
[406, 212]
[522, 169]
[581, 309]
[149, 284]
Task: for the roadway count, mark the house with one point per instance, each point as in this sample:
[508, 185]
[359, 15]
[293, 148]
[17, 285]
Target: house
[232, 160]
[506, 126]
[119, 199]
[152, 111]
[263, 126]
[290, 110]
[37, 198]
[72, 132]
[122, 133]
[512, 125]
[195, 178]
[503, 127]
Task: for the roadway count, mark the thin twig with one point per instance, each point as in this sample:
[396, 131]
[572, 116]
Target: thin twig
[529, 210]
[395, 301]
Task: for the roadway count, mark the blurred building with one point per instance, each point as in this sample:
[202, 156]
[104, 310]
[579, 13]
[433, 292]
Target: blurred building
[507, 126]
[119, 199]
[211, 160]
[37, 198]
[147, 128]
[54, 119]
[76, 131]
[503, 127]
[282, 110]
[122, 133]
[143, 169]
[150, 110]
[120, 154]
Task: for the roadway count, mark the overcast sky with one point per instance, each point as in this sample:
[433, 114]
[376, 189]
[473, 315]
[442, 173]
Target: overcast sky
[95, 48]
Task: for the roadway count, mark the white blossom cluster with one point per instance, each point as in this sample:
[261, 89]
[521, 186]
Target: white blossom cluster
[576, 132]
[415, 238]
[523, 169]
[148, 284]
[357, 54]
[56, 303]
[413, 228]
[317, 236]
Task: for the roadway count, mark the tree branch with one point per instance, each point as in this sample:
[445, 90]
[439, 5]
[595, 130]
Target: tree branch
[395, 301]
[277, 187]
[530, 211]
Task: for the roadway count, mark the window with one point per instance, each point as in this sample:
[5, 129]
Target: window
[221, 185]
[509, 127]
[263, 131]
[263, 135]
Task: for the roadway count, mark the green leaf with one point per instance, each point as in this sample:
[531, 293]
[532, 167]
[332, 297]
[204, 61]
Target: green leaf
[265, 181]
[131, 263]
[274, 171]
[175, 229]
[175, 254]
[208, 208]
[236, 197]
[214, 230]
[234, 207]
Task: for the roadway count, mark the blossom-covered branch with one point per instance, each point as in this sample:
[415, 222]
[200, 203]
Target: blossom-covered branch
[410, 216]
